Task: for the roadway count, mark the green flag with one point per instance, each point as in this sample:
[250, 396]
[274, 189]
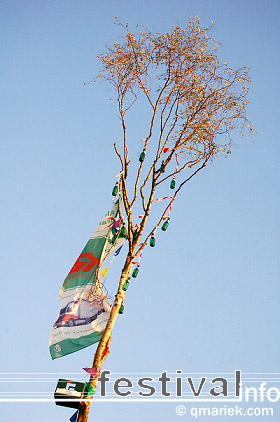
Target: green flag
[84, 310]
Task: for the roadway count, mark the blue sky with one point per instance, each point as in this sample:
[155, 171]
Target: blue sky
[206, 298]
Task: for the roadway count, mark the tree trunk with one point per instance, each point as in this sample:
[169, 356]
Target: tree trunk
[106, 338]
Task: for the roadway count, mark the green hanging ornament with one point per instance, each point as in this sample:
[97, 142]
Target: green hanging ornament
[162, 167]
[142, 156]
[135, 272]
[172, 183]
[124, 232]
[152, 240]
[165, 225]
[115, 189]
[126, 284]
[114, 238]
[90, 390]
[121, 309]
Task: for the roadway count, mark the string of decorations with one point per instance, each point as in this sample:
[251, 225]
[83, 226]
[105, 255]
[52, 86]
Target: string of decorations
[120, 230]
[98, 292]
[164, 227]
[173, 181]
[143, 153]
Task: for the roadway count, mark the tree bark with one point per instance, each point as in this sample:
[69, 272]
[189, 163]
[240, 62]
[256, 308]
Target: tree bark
[99, 359]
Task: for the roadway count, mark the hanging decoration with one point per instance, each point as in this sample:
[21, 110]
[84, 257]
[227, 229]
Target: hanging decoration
[116, 223]
[115, 189]
[115, 236]
[166, 217]
[165, 224]
[105, 351]
[170, 207]
[140, 256]
[126, 284]
[143, 153]
[104, 272]
[165, 197]
[93, 372]
[137, 229]
[162, 167]
[90, 390]
[124, 232]
[173, 182]
[82, 316]
[142, 156]
[74, 417]
[152, 240]
[135, 271]
[118, 251]
[165, 150]
[121, 309]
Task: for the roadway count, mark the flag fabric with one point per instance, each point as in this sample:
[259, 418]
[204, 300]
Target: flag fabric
[116, 248]
[90, 390]
[112, 247]
[116, 224]
[82, 317]
[92, 371]
[104, 272]
[118, 251]
[74, 417]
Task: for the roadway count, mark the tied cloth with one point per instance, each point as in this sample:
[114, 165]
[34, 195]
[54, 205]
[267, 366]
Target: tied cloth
[92, 371]
[74, 417]
[90, 390]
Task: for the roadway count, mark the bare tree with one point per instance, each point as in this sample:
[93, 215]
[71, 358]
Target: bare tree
[195, 103]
